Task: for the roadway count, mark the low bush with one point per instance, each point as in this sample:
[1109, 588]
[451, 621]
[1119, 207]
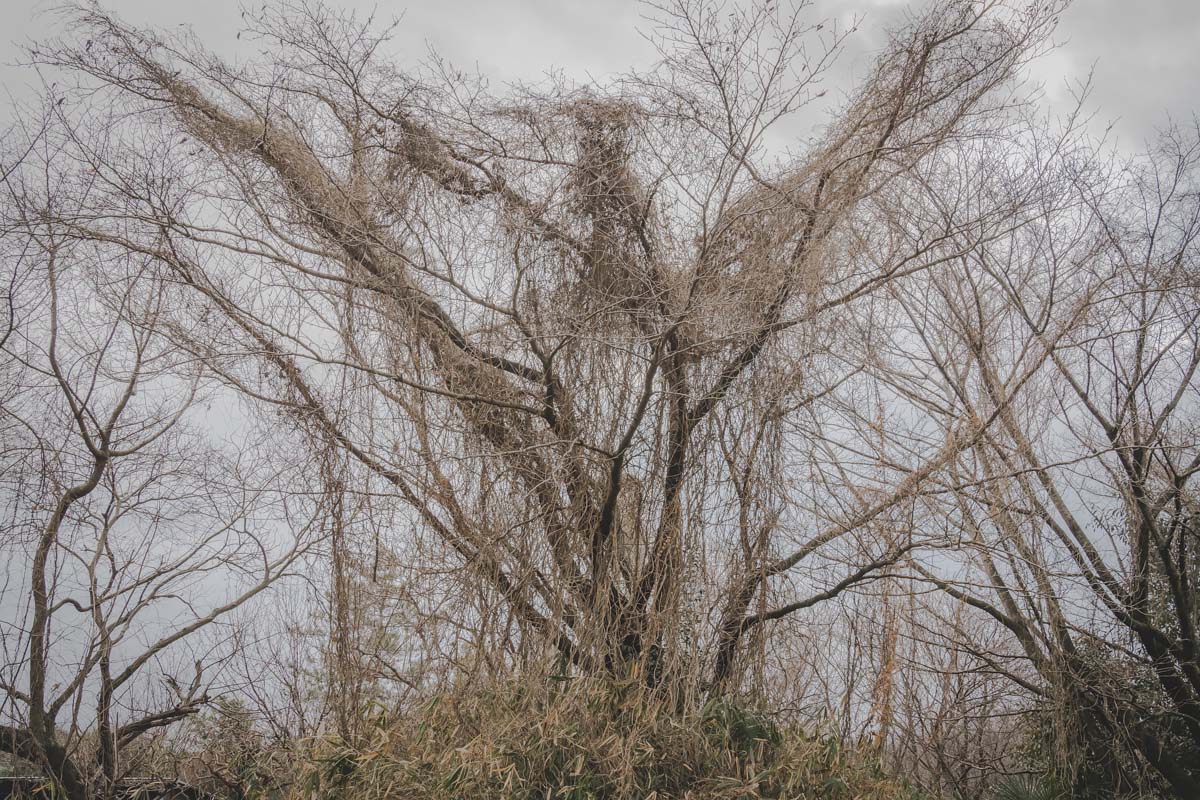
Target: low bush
[590, 740]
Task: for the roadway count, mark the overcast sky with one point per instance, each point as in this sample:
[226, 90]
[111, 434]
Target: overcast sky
[1146, 53]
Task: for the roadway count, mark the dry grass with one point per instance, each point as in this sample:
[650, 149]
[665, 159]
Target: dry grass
[590, 739]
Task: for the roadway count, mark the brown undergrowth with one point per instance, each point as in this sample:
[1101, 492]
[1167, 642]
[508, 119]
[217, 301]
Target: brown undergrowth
[590, 739]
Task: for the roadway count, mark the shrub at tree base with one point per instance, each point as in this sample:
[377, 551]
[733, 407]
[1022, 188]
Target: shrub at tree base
[591, 739]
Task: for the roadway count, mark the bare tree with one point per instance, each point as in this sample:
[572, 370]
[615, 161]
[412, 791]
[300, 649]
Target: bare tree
[592, 378]
[566, 326]
[1076, 512]
[129, 533]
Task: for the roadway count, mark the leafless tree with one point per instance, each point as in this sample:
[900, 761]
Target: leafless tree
[129, 533]
[1076, 513]
[602, 376]
[571, 327]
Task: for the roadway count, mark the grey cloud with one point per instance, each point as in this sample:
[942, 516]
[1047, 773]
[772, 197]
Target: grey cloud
[1147, 62]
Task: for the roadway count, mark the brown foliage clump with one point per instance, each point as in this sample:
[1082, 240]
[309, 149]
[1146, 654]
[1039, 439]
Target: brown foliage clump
[590, 738]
